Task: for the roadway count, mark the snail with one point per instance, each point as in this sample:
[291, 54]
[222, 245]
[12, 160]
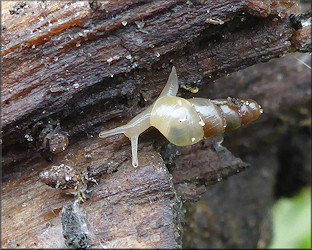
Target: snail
[186, 121]
[65, 177]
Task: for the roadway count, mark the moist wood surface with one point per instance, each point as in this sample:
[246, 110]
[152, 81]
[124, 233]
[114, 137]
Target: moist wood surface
[74, 70]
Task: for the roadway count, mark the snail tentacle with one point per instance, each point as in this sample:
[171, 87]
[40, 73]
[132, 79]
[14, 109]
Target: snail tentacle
[134, 149]
[172, 85]
[115, 131]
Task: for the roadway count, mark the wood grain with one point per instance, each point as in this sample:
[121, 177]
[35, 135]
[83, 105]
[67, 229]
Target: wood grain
[90, 69]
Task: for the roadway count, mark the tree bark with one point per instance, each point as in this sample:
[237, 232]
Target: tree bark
[72, 69]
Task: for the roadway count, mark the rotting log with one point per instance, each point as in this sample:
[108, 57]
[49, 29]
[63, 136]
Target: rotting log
[236, 212]
[89, 66]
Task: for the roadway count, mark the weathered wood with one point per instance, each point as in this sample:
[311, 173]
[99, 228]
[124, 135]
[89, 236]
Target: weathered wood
[129, 208]
[69, 61]
[89, 68]
[277, 147]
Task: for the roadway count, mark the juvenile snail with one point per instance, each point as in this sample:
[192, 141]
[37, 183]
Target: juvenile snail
[185, 122]
[66, 178]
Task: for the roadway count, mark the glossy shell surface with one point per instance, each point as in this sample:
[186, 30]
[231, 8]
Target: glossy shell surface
[177, 120]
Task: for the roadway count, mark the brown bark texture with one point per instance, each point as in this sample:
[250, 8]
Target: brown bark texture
[71, 69]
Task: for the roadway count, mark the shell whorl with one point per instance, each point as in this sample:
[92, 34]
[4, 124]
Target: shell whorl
[225, 114]
[238, 112]
[213, 122]
[177, 120]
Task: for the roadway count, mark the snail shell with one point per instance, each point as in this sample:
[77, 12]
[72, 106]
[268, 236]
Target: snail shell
[187, 121]
[173, 117]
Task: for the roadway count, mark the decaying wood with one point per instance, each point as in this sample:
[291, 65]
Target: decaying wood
[90, 66]
[278, 148]
[74, 56]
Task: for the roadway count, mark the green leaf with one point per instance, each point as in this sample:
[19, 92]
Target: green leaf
[292, 221]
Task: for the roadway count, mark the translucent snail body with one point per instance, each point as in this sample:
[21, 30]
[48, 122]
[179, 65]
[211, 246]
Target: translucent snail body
[173, 117]
[187, 121]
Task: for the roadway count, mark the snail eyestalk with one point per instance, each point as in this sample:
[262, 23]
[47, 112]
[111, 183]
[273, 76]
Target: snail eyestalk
[115, 131]
[134, 147]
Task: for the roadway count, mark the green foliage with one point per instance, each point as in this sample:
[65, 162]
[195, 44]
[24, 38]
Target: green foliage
[292, 221]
